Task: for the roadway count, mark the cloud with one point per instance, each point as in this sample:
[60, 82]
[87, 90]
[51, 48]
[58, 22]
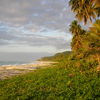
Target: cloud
[48, 13]
[32, 39]
[35, 23]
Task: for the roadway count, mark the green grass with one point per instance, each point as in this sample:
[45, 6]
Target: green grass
[57, 57]
[52, 84]
[70, 79]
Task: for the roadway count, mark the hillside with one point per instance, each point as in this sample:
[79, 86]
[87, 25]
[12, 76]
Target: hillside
[64, 81]
[57, 57]
[76, 75]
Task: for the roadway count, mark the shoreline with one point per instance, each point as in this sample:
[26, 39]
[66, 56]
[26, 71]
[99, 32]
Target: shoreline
[12, 70]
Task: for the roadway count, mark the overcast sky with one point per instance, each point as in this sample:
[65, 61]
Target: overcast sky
[35, 25]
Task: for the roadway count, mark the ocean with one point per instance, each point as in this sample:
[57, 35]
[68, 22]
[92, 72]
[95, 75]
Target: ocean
[20, 58]
[2, 63]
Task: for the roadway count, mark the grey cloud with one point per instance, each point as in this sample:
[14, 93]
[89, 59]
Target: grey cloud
[3, 42]
[53, 14]
[21, 20]
[6, 36]
[33, 40]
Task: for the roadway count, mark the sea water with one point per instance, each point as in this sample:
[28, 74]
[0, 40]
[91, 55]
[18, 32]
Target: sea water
[2, 63]
[20, 58]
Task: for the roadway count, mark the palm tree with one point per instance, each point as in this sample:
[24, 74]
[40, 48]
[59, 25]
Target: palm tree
[77, 31]
[95, 29]
[75, 28]
[95, 35]
[85, 9]
[97, 6]
[94, 39]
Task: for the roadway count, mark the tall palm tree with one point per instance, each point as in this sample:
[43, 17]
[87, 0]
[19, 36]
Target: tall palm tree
[85, 9]
[75, 28]
[95, 35]
[96, 4]
[94, 39]
[95, 29]
[77, 31]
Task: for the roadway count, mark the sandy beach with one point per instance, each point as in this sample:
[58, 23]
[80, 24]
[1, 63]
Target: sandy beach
[12, 70]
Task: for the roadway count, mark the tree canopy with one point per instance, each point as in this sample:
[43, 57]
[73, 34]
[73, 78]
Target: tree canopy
[85, 9]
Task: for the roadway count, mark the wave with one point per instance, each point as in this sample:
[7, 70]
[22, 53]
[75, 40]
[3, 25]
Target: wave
[13, 63]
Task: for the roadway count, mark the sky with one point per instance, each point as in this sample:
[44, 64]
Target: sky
[35, 26]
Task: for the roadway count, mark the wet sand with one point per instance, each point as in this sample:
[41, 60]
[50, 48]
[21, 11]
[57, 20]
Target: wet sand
[12, 70]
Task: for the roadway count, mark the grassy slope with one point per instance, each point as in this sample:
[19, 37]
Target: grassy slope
[55, 83]
[57, 57]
